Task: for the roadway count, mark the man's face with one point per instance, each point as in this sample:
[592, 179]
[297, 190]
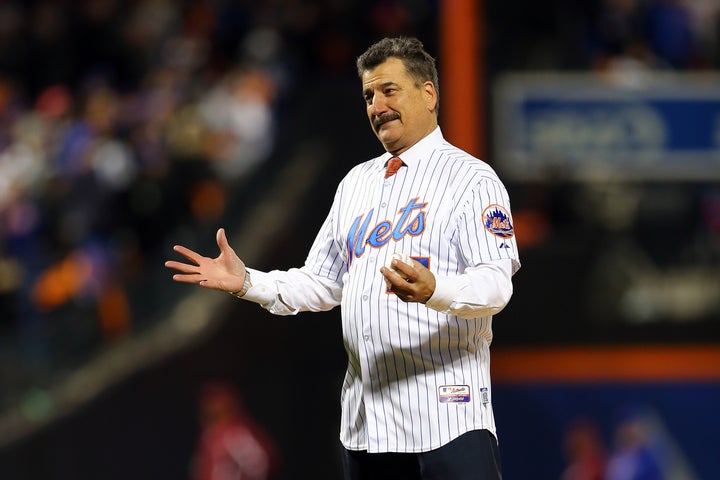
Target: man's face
[400, 112]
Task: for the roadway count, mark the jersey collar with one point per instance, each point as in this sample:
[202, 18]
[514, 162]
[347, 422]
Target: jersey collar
[418, 152]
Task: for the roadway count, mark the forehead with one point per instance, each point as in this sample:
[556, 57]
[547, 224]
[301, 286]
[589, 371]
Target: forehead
[391, 70]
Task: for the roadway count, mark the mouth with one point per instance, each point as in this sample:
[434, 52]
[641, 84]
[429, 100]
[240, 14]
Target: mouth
[380, 120]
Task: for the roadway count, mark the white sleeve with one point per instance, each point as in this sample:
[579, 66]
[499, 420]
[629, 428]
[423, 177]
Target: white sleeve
[481, 291]
[485, 240]
[293, 291]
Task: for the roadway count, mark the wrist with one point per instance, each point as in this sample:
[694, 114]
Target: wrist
[247, 284]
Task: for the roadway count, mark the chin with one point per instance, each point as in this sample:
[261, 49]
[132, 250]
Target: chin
[387, 140]
[389, 146]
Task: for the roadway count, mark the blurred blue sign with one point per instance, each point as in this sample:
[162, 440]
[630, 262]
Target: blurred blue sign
[586, 127]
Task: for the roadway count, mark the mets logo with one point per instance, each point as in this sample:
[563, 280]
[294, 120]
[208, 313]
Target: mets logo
[497, 221]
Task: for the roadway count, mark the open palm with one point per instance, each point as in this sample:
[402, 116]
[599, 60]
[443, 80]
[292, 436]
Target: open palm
[226, 272]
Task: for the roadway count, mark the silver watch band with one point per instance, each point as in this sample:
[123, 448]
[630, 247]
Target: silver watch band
[247, 283]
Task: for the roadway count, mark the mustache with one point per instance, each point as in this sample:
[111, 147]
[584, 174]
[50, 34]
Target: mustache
[380, 119]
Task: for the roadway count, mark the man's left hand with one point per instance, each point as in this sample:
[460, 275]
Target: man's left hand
[418, 284]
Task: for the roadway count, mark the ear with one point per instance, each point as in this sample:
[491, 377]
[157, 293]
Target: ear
[430, 95]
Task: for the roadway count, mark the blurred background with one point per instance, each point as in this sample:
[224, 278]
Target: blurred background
[128, 127]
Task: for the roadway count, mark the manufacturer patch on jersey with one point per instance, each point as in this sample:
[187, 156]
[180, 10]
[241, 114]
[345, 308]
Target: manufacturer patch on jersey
[497, 221]
[454, 394]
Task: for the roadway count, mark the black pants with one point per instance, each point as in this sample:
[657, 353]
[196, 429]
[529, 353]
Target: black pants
[472, 456]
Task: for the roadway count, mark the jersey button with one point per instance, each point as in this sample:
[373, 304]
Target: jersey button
[367, 338]
[365, 297]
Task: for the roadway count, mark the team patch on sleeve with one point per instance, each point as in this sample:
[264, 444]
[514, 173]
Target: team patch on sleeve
[497, 221]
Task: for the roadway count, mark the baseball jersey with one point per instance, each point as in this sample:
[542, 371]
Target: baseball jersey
[418, 375]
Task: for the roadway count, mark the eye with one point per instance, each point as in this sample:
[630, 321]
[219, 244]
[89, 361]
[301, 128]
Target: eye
[368, 98]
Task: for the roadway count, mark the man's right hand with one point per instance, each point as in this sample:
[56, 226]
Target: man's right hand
[226, 272]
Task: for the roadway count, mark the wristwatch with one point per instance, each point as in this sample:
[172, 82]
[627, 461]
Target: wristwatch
[247, 283]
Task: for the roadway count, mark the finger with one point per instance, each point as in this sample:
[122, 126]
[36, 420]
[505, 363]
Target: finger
[392, 278]
[209, 284]
[181, 267]
[408, 271]
[189, 254]
[417, 265]
[188, 278]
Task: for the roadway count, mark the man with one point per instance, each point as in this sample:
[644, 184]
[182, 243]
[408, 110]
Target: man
[416, 400]
[231, 445]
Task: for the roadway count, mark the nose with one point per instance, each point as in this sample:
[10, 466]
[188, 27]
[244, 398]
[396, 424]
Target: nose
[378, 105]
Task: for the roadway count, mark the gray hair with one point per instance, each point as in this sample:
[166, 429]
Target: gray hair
[418, 63]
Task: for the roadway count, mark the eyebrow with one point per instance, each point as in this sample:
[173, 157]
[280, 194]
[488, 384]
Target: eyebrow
[366, 91]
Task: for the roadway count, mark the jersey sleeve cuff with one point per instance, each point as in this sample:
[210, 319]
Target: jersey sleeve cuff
[261, 291]
[444, 295]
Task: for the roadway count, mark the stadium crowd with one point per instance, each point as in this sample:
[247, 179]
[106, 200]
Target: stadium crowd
[121, 122]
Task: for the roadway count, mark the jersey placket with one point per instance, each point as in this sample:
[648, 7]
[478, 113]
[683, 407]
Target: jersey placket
[379, 407]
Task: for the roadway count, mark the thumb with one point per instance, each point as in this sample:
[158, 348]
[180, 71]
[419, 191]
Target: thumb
[222, 241]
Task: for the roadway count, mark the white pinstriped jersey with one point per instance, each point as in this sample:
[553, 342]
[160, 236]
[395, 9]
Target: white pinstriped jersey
[418, 375]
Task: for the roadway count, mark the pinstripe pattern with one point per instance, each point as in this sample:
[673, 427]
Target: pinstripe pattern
[400, 354]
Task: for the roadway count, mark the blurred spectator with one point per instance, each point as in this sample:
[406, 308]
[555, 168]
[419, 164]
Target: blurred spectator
[231, 445]
[705, 23]
[643, 449]
[634, 457]
[584, 452]
[633, 35]
[670, 33]
[238, 119]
